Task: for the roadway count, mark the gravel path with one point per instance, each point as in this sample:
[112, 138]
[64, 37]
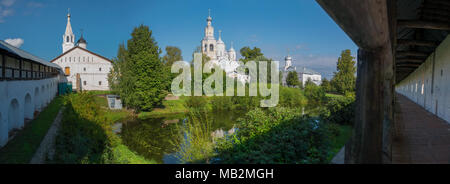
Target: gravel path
[47, 147]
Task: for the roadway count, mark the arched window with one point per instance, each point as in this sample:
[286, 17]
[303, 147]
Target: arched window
[206, 47]
[211, 47]
[67, 40]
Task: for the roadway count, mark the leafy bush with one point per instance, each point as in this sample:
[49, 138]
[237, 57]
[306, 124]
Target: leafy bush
[315, 94]
[85, 135]
[340, 111]
[196, 103]
[279, 135]
[221, 103]
[291, 97]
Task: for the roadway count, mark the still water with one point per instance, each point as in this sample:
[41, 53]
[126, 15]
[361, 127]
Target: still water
[158, 138]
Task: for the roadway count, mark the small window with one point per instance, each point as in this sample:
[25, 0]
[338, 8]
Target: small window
[442, 72]
[211, 47]
[99, 83]
[67, 40]
[100, 69]
[84, 69]
[206, 48]
[84, 83]
[67, 70]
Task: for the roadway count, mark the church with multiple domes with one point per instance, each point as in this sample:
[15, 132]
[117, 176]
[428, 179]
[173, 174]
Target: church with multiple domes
[216, 49]
[83, 68]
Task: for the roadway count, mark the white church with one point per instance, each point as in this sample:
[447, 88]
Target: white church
[77, 60]
[216, 50]
[303, 74]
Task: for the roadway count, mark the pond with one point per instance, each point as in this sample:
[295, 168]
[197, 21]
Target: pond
[158, 138]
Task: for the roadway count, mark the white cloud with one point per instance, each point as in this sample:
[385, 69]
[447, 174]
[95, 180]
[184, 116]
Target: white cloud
[16, 42]
[5, 9]
[7, 3]
[35, 4]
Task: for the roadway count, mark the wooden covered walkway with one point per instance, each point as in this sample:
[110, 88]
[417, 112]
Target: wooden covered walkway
[420, 137]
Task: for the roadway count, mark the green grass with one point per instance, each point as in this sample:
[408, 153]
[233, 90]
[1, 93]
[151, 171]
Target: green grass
[345, 132]
[169, 107]
[123, 155]
[21, 149]
[329, 95]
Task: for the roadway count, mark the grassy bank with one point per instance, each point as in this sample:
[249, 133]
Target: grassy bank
[86, 134]
[21, 149]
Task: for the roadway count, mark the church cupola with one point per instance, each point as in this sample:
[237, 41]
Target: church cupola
[82, 42]
[68, 37]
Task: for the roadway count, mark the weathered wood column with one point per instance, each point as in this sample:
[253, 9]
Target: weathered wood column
[368, 23]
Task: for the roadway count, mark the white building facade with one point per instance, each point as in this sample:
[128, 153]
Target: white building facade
[77, 60]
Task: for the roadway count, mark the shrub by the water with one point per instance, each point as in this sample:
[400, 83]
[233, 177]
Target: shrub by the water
[279, 135]
[340, 111]
[85, 135]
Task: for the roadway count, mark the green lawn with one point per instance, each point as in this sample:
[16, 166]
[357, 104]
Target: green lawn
[21, 149]
[169, 107]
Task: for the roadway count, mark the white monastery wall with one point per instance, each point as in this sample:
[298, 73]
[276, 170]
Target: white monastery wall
[19, 99]
[432, 94]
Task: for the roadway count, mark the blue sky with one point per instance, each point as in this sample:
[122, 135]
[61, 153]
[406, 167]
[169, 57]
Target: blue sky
[275, 26]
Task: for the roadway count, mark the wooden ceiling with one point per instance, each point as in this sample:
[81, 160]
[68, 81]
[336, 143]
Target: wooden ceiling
[421, 26]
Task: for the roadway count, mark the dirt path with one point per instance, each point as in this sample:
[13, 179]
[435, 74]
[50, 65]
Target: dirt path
[47, 147]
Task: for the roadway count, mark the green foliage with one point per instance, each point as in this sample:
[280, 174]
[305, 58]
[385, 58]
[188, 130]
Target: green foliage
[173, 54]
[277, 136]
[292, 79]
[326, 86]
[138, 74]
[197, 146]
[344, 80]
[249, 54]
[196, 103]
[315, 94]
[85, 135]
[291, 97]
[340, 111]
[221, 103]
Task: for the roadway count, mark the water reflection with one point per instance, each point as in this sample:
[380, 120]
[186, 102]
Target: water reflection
[158, 138]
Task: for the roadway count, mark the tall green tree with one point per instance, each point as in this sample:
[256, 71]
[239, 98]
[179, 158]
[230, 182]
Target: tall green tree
[326, 85]
[292, 79]
[249, 54]
[173, 54]
[344, 79]
[139, 75]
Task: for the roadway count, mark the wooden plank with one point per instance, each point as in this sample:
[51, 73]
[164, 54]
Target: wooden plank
[424, 24]
[413, 60]
[424, 43]
[411, 53]
[366, 22]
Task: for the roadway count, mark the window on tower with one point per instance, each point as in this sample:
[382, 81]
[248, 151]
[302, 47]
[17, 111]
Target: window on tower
[211, 47]
[67, 39]
[206, 48]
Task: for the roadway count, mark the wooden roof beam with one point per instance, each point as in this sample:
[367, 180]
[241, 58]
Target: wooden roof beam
[424, 24]
[411, 53]
[424, 43]
[412, 60]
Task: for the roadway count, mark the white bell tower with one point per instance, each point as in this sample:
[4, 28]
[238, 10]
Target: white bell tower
[68, 37]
